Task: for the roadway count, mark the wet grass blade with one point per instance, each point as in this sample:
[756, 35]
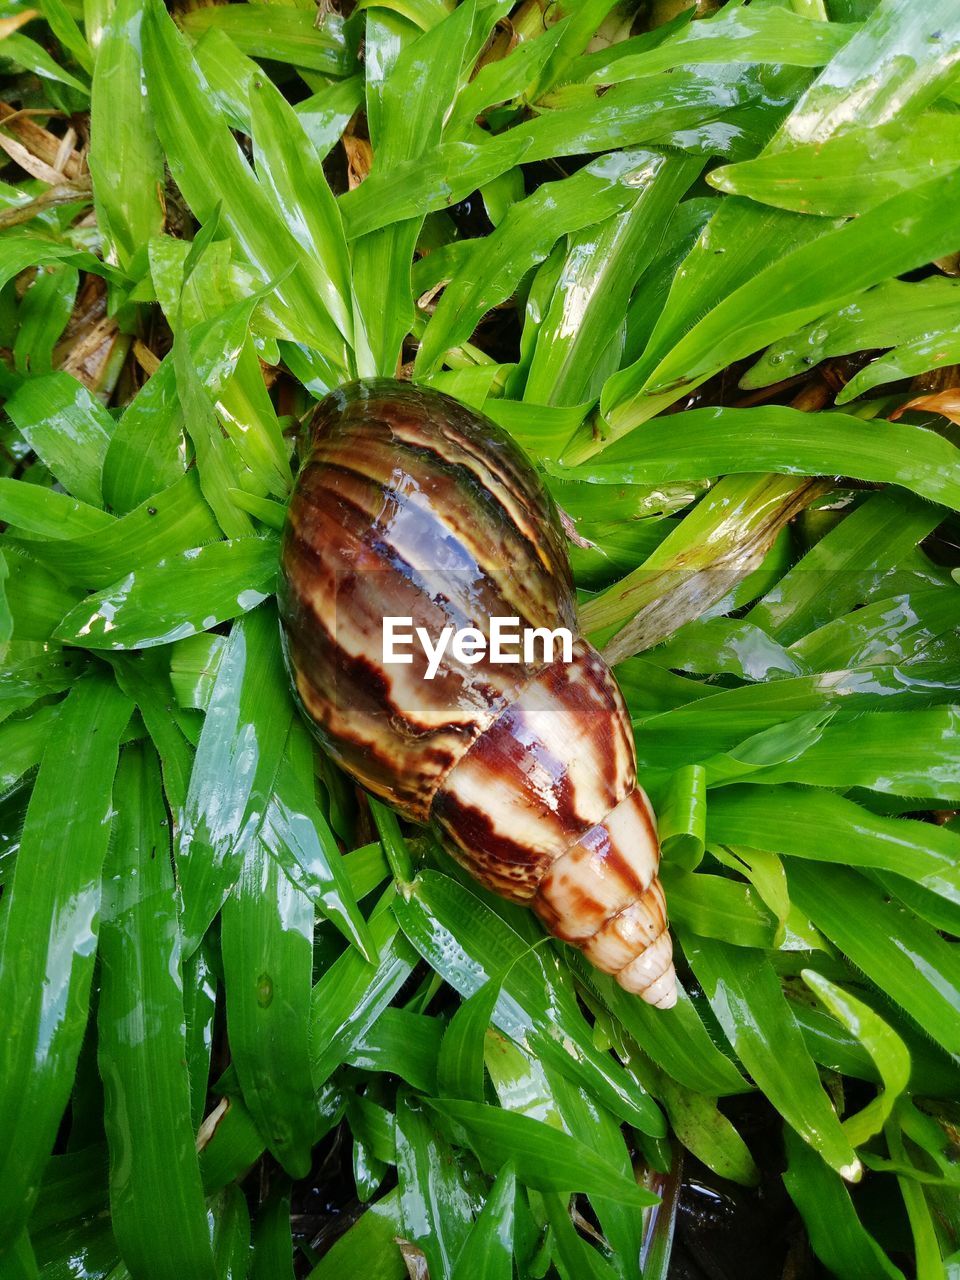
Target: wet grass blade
[524, 238]
[434, 1202]
[820, 826]
[782, 440]
[284, 35]
[467, 944]
[186, 593]
[125, 157]
[906, 958]
[488, 1250]
[545, 1158]
[744, 993]
[234, 769]
[911, 59]
[166, 524]
[267, 943]
[49, 929]
[210, 170]
[838, 1237]
[67, 428]
[141, 1044]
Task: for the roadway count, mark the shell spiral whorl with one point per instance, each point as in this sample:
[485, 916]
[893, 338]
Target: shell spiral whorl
[411, 505]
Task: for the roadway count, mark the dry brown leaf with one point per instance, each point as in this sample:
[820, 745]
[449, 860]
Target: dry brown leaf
[145, 358]
[9, 25]
[90, 354]
[40, 142]
[27, 161]
[946, 403]
[414, 1259]
[359, 159]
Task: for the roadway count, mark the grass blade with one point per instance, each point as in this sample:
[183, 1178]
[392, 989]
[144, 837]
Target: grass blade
[141, 1041]
[49, 929]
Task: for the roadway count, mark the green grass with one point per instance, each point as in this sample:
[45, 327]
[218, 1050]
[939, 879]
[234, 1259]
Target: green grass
[702, 268]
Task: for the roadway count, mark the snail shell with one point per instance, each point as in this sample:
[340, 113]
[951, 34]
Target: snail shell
[410, 505]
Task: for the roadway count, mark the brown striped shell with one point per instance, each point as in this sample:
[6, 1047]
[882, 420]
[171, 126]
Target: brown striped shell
[409, 504]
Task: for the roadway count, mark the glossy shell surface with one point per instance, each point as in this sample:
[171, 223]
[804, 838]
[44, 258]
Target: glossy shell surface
[410, 505]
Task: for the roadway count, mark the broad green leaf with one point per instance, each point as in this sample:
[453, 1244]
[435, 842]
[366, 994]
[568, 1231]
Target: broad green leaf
[181, 595]
[147, 451]
[894, 66]
[45, 513]
[488, 1250]
[823, 827]
[369, 1247]
[888, 315]
[48, 932]
[580, 340]
[42, 317]
[846, 565]
[237, 759]
[22, 743]
[705, 1131]
[297, 836]
[144, 678]
[838, 1236]
[32, 56]
[405, 112]
[20, 251]
[200, 1004]
[570, 1251]
[929, 351]
[899, 235]
[885, 1047]
[325, 114]
[851, 172]
[909, 961]
[267, 943]
[68, 430]
[64, 26]
[467, 944]
[685, 109]
[210, 171]
[404, 1044]
[283, 150]
[908, 753]
[716, 907]
[545, 1158]
[166, 525]
[525, 237]
[229, 1142]
[231, 1233]
[744, 993]
[588, 1122]
[676, 1039]
[771, 34]
[460, 1062]
[434, 1202]
[725, 646]
[898, 625]
[283, 34]
[272, 1240]
[699, 564]
[125, 157]
[141, 1046]
[430, 182]
[786, 441]
[352, 994]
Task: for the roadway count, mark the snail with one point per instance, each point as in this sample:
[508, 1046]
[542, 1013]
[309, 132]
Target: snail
[409, 505]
